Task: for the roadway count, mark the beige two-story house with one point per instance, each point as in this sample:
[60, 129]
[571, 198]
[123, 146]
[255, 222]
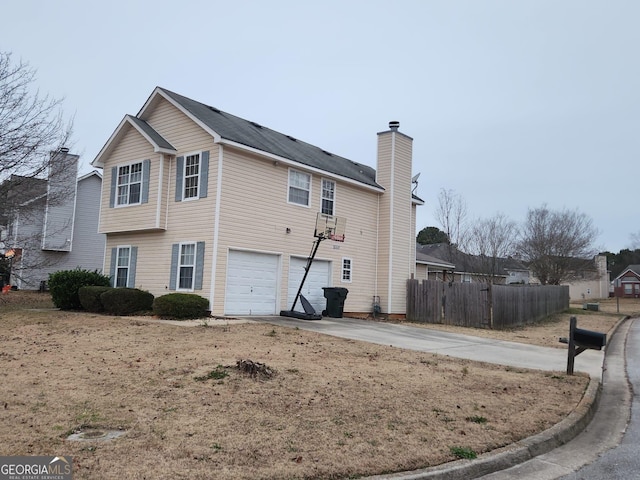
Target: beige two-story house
[197, 200]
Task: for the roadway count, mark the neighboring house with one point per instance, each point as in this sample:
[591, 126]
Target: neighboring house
[448, 263]
[200, 201]
[590, 279]
[52, 224]
[431, 268]
[627, 284]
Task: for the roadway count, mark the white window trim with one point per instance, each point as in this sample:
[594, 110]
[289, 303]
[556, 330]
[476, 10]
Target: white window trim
[195, 259]
[308, 205]
[115, 280]
[117, 197]
[184, 176]
[335, 187]
[342, 270]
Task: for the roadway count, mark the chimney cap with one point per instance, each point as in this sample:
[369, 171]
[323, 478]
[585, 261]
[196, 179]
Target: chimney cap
[64, 150]
[394, 125]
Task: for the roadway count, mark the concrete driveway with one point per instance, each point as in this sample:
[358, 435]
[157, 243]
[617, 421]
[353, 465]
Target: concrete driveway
[445, 343]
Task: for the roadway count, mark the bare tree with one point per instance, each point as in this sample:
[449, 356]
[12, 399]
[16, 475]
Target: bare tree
[557, 244]
[635, 241]
[491, 240]
[31, 125]
[451, 213]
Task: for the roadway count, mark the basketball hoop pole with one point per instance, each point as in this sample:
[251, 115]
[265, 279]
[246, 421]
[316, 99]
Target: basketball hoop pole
[314, 249]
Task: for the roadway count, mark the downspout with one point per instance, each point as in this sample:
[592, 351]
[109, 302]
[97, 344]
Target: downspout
[216, 225]
[375, 283]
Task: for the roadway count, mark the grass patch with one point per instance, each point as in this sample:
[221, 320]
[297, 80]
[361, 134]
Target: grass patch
[463, 452]
[217, 374]
[476, 419]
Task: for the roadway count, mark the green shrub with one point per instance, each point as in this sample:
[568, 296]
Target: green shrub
[181, 306]
[126, 301]
[64, 286]
[90, 298]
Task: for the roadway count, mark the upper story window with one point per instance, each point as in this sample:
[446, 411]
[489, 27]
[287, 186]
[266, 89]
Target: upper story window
[299, 187]
[328, 196]
[129, 184]
[191, 175]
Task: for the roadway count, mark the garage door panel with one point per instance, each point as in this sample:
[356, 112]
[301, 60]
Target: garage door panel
[319, 276]
[252, 283]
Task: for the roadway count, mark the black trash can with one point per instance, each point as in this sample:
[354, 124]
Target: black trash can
[335, 301]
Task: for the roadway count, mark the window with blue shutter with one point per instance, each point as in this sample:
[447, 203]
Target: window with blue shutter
[192, 176]
[187, 266]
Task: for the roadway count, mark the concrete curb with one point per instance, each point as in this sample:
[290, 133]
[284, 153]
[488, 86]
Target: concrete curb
[518, 452]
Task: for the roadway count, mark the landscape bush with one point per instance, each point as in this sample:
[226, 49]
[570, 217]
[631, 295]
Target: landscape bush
[181, 306]
[90, 298]
[64, 286]
[126, 301]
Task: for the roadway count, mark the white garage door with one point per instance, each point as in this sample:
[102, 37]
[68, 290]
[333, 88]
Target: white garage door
[319, 276]
[252, 283]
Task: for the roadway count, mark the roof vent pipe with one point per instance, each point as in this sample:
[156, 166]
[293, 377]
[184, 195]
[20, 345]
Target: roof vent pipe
[394, 125]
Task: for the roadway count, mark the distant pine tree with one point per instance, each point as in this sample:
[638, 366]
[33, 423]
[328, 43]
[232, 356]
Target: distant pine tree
[431, 235]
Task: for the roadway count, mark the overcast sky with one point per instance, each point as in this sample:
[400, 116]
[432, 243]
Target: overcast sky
[511, 104]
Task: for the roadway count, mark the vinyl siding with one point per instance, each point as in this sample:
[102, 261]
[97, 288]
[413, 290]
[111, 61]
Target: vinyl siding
[396, 259]
[258, 222]
[132, 148]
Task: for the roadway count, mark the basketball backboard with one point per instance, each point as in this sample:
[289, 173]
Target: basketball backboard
[331, 227]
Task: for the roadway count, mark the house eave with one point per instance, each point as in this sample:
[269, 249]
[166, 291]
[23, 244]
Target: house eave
[109, 145]
[300, 165]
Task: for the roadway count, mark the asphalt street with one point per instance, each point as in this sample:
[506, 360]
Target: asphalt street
[623, 461]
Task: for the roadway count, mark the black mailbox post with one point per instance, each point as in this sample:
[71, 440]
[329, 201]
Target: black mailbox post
[580, 340]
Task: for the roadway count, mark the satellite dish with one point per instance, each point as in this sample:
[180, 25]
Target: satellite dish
[415, 178]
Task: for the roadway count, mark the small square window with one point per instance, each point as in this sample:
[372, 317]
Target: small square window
[346, 270]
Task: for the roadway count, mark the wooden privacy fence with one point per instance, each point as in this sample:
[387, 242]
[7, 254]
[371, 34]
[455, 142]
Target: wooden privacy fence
[482, 305]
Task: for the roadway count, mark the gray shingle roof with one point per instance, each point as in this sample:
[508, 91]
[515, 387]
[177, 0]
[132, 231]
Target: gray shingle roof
[251, 134]
[153, 135]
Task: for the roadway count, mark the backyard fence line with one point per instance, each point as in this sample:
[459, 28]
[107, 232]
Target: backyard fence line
[482, 305]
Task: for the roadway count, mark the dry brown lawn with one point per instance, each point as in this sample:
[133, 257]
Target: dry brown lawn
[333, 409]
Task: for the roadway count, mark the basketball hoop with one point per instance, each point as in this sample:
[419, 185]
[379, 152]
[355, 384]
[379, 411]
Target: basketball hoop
[331, 227]
[327, 227]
